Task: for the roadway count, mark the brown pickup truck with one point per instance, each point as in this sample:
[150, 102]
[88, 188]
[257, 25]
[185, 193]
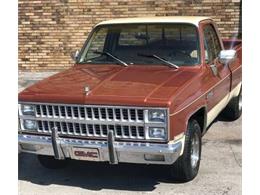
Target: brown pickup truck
[142, 90]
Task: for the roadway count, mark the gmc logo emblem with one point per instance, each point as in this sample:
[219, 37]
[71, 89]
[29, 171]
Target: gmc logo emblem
[86, 154]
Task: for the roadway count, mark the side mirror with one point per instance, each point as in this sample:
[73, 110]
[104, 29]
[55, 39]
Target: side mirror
[227, 56]
[75, 55]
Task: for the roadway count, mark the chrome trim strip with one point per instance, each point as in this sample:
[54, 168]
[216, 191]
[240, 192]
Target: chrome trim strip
[90, 105]
[86, 121]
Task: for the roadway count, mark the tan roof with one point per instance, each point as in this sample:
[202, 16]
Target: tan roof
[166, 19]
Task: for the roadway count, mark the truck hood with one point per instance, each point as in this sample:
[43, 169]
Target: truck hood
[111, 84]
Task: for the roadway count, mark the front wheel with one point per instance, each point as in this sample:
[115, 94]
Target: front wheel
[187, 166]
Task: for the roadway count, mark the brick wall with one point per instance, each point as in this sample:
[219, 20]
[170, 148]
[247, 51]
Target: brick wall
[50, 29]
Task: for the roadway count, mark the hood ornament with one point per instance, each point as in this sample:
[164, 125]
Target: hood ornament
[87, 89]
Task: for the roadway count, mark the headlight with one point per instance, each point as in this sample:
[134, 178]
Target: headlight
[28, 110]
[157, 115]
[157, 132]
[30, 125]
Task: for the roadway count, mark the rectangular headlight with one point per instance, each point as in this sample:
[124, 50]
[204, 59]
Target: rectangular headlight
[157, 115]
[28, 109]
[157, 132]
[30, 124]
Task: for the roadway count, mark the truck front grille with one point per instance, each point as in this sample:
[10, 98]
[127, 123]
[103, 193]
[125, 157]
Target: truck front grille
[90, 121]
[92, 130]
[89, 113]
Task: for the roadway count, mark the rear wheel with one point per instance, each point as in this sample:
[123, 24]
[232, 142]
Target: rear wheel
[50, 162]
[234, 108]
[187, 166]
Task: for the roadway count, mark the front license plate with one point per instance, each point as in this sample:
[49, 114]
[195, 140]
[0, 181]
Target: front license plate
[90, 154]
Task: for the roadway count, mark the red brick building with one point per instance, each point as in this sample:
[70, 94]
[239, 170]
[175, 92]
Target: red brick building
[50, 29]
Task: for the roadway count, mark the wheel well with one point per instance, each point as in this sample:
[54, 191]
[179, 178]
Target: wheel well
[200, 116]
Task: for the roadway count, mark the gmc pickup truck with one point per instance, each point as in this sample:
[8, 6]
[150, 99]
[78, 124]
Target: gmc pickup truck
[142, 90]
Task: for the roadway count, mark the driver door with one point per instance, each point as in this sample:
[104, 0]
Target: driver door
[220, 75]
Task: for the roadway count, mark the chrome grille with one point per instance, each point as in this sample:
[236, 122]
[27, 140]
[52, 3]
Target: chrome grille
[90, 113]
[97, 130]
[90, 121]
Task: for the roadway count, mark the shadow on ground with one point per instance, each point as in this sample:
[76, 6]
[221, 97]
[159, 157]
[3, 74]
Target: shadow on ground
[94, 176]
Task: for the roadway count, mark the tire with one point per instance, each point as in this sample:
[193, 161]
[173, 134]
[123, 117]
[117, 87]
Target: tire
[187, 166]
[234, 108]
[50, 162]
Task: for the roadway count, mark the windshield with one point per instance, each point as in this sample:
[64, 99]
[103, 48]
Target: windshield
[175, 43]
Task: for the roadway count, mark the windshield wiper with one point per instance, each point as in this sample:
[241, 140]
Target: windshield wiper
[110, 55]
[160, 59]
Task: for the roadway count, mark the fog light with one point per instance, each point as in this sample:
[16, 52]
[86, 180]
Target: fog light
[30, 124]
[28, 147]
[154, 157]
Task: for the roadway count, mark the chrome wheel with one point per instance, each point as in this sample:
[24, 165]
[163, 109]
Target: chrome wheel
[187, 165]
[240, 102]
[195, 147]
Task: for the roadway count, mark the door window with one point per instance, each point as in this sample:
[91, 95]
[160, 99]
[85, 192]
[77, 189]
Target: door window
[211, 43]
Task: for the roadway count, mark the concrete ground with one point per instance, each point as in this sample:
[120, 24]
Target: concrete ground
[220, 168]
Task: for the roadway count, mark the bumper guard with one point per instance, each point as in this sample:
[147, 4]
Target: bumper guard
[110, 150]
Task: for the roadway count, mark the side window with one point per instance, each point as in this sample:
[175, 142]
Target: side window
[211, 43]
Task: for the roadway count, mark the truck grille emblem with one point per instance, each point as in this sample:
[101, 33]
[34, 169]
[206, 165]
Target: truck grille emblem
[86, 89]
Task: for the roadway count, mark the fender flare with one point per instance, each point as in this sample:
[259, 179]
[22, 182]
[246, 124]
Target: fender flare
[204, 107]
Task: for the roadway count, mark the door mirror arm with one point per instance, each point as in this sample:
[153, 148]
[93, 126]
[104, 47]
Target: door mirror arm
[214, 69]
[74, 55]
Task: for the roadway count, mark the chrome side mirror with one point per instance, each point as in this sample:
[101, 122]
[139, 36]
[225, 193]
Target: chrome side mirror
[227, 56]
[74, 55]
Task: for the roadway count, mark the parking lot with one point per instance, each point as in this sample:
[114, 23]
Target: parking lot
[220, 168]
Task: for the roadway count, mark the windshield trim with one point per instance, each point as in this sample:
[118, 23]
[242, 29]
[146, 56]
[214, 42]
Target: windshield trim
[97, 27]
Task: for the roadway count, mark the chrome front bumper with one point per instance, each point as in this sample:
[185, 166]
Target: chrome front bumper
[111, 151]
